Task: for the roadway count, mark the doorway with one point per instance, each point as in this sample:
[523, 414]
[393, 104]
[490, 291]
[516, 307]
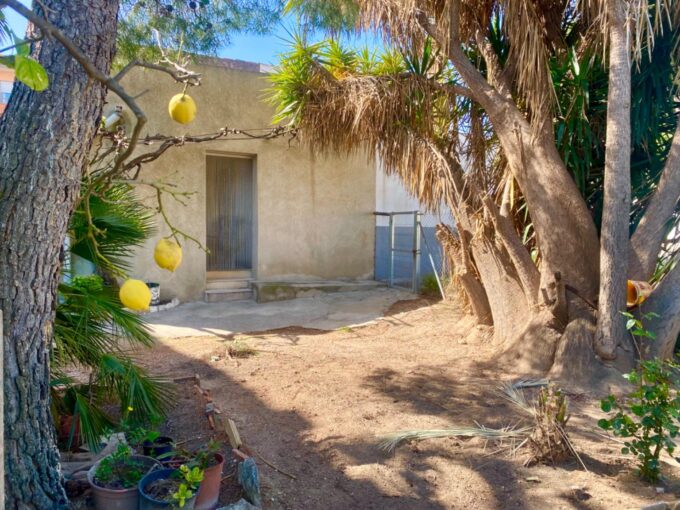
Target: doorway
[229, 216]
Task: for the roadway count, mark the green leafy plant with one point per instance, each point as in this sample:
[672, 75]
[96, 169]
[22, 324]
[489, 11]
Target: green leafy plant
[27, 70]
[648, 417]
[429, 286]
[94, 331]
[636, 326]
[192, 480]
[205, 457]
[120, 469]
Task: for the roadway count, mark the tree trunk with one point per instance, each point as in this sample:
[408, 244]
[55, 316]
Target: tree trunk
[566, 233]
[614, 239]
[665, 302]
[651, 231]
[44, 142]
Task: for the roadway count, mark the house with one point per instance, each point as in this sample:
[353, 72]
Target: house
[276, 217]
[6, 84]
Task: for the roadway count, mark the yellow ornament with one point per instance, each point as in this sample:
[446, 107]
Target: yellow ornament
[135, 295]
[168, 254]
[182, 108]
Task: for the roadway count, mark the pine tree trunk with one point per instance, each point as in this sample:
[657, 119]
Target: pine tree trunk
[44, 142]
[614, 240]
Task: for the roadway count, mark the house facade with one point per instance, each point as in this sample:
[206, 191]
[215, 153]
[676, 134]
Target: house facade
[271, 212]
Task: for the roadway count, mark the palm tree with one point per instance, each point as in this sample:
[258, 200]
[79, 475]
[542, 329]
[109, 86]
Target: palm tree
[94, 332]
[464, 112]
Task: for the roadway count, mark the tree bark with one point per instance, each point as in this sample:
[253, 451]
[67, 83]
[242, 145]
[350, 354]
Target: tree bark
[665, 302]
[651, 231]
[566, 233]
[44, 142]
[614, 239]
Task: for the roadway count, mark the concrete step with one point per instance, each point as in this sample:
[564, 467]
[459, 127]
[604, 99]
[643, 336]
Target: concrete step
[231, 283]
[266, 291]
[219, 295]
[238, 274]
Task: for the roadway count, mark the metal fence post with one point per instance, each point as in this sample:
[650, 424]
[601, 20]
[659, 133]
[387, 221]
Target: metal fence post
[390, 260]
[416, 252]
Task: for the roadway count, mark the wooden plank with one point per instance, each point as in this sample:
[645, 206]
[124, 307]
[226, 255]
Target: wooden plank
[232, 433]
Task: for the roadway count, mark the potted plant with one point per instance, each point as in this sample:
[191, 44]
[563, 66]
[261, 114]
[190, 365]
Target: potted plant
[150, 442]
[170, 488]
[211, 462]
[114, 479]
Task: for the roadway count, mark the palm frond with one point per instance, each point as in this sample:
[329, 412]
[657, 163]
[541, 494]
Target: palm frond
[119, 222]
[390, 442]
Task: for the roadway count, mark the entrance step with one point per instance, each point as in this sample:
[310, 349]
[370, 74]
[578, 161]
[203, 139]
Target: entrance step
[224, 284]
[220, 295]
[266, 291]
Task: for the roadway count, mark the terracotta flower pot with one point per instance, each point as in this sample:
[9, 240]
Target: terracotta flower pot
[117, 499]
[209, 491]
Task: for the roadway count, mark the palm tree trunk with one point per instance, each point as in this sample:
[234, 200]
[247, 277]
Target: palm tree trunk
[614, 240]
[44, 142]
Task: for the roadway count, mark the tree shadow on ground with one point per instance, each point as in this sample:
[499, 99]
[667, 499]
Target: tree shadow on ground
[281, 436]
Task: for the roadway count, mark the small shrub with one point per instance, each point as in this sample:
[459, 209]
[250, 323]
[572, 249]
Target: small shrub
[647, 419]
[120, 469]
[240, 349]
[429, 286]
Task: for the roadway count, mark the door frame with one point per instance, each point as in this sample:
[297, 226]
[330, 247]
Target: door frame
[254, 263]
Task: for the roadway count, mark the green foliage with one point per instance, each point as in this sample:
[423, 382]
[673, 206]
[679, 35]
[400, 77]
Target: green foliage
[648, 418]
[203, 26]
[205, 457]
[636, 327]
[27, 70]
[580, 78]
[137, 435]
[429, 286]
[93, 330]
[334, 16]
[296, 72]
[120, 469]
[120, 223]
[192, 478]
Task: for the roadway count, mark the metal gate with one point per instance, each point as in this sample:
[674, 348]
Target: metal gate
[407, 250]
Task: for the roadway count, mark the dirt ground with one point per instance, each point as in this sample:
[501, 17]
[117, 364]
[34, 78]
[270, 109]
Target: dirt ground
[313, 404]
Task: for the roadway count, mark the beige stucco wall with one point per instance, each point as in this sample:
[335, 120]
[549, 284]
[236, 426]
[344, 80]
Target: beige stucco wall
[313, 214]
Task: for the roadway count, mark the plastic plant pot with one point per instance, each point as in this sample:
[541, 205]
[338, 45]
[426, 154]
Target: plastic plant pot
[146, 502]
[209, 491]
[117, 499]
[162, 445]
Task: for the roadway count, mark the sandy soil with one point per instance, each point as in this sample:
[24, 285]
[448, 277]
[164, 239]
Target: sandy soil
[313, 402]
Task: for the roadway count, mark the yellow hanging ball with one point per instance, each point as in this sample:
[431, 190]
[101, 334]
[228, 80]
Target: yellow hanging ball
[182, 108]
[168, 254]
[135, 295]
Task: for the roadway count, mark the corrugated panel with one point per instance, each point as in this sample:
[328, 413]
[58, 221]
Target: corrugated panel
[229, 213]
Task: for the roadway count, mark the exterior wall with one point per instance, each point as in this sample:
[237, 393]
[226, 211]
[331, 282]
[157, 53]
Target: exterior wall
[313, 214]
[6, 83]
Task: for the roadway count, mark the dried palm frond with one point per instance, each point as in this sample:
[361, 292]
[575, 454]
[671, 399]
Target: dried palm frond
[543, 440]
[391, 441]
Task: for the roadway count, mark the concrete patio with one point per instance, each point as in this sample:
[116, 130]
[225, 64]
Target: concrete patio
[328, 311]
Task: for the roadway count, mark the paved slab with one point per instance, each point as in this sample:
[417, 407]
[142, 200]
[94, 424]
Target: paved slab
[329, 311]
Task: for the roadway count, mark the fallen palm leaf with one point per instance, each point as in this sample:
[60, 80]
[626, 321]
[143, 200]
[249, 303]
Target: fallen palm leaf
[391, 441]
[545, 439]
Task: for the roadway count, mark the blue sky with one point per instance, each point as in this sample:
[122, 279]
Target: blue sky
[254, 48]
